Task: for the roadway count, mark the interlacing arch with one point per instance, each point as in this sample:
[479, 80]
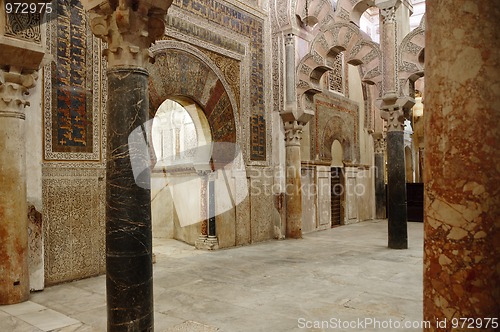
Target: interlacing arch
[322, 11]
[411, 57]
[358, 50]
[314, 11]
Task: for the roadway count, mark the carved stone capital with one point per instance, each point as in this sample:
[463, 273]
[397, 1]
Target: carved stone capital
[388, 10]
[14, 85]
[293, 133]
[395, 119]
[128, 27]
[289, 39]
[388, 15]
[379, 145]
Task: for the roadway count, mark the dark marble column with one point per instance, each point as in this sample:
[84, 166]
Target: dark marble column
[129, 28]
[129, 277]
[212, 232]
[380, 198]
[208, 237]
[396, 190]
[391, 107]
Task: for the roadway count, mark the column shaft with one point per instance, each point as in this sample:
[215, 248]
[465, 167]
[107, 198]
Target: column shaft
[293, 192]
[380, 199]
[211, 209]
[14, 275]
[204, 208]
[396, 190]
[461, 173]
[129, 270]
[392, 112]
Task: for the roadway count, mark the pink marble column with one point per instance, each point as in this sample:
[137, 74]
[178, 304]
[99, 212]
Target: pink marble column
[293, 194]
[14, 275]
[462, 172]
[295, 116]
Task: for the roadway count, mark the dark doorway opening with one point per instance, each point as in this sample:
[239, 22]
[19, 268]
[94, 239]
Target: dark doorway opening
[337, 190]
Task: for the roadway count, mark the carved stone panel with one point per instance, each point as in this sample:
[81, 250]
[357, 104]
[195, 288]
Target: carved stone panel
[74, 223]
[23, 26]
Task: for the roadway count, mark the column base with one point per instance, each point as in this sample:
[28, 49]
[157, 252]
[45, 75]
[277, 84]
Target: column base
[207, 243]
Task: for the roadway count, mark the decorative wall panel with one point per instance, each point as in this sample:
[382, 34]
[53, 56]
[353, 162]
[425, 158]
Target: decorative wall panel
[74, 223]
[72, 86]
[23, 26]
[258, 137]
[336, 119]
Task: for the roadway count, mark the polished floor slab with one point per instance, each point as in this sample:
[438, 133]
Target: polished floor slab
[342, 279]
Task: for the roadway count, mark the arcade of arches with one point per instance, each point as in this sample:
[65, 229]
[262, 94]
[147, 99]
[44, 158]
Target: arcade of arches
[224, 123]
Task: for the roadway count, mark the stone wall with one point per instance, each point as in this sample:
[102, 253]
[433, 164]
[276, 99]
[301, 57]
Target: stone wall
[74, 131]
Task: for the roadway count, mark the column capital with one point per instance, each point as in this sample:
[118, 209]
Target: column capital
[395, 118]
[14, 85]
[128, 27]
[386, 4]
[388, 15]
[379, 145]
[293, 133]
[289, 39]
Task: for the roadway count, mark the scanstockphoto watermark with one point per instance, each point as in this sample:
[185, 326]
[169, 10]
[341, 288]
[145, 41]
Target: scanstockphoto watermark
[259, 187]
[361, 323]
[267, 182]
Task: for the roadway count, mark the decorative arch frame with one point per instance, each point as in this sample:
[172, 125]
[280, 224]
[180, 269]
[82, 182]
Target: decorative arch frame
[337, 132]
[358, 8]
[317, 11]
[283, 14]
[201, 91]
[410, 59]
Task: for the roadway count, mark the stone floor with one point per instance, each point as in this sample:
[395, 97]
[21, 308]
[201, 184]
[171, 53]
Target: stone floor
[341, 279]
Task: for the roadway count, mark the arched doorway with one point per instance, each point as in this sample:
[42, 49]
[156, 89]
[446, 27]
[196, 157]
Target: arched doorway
[337, 183]
[181, 138]
[189, 77]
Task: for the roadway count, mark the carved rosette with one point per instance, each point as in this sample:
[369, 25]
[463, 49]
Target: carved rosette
[14, 85]
[293, 133]
[395, 119]
[129, 28]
